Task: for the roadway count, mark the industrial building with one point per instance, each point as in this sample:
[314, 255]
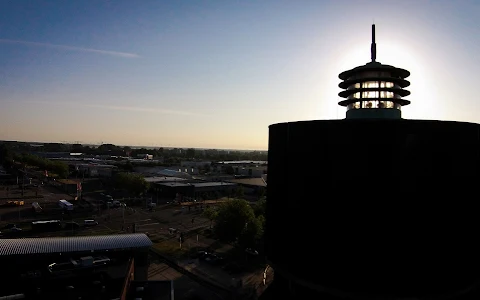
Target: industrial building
[90, 267]
[251, 171]
[390, 201]
[192, 189]
[251, 185]
[95, 170]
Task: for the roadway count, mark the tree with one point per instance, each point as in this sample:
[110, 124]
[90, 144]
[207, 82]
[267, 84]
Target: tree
[77, 148]
[210, 213]
[239, 192]
[232, 218]
[5, 153]
[132, 182]
[260, 207]
[190, 153]
[60, 168]
[252, 232]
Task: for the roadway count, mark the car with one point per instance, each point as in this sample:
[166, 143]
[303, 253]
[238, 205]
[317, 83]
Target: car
[89, 223]
[251, 251]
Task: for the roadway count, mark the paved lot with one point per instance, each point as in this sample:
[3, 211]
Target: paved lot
[185, 288]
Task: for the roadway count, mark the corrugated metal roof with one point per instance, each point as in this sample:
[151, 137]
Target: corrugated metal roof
[72, 244]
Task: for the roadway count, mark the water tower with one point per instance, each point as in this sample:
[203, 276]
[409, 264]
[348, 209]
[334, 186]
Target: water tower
[373, 206]
[374, 90]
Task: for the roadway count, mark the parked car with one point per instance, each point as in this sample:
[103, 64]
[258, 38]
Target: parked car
[89, 223]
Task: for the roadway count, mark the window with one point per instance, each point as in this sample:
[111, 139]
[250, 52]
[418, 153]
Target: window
[384, 94]
[373, 104]
[369, 104]
[384, 84]
[370, 84]
[370, 95]
[354, 96]
[355, 105]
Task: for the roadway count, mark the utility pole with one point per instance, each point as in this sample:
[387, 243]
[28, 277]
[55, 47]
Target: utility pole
[23, 181]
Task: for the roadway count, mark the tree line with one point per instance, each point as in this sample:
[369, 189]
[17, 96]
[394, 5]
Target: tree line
[170, 155]
[10, 159]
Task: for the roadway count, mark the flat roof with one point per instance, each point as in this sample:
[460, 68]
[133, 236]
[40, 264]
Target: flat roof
[250, 181]
[156, 179]
[174, 184]
[208, 184]
[48, 245]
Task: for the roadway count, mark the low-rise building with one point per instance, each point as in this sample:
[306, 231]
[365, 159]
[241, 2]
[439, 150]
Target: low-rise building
[74, 267]
[145, 156]
[252, 171]
[194, 163]
[96, 170]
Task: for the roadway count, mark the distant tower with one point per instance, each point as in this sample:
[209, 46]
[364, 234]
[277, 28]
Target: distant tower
[374, 90]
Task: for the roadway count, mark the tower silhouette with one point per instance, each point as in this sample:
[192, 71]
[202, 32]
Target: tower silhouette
[373, 206]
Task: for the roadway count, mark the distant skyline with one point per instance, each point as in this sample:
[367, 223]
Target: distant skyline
[216, 74]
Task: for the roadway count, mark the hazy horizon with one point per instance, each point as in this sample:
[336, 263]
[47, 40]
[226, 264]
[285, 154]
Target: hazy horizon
[136, 146]
[216, 74]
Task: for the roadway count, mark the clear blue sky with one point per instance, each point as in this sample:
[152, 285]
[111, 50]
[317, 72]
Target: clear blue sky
[215, 74]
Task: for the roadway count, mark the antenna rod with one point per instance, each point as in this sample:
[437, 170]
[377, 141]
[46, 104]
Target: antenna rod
[374, 45]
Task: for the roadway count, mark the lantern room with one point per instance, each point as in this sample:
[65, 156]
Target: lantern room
[374, 90]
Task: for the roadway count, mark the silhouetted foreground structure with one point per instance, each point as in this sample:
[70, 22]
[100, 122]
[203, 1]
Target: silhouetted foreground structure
[386, 209]
[83, 267]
